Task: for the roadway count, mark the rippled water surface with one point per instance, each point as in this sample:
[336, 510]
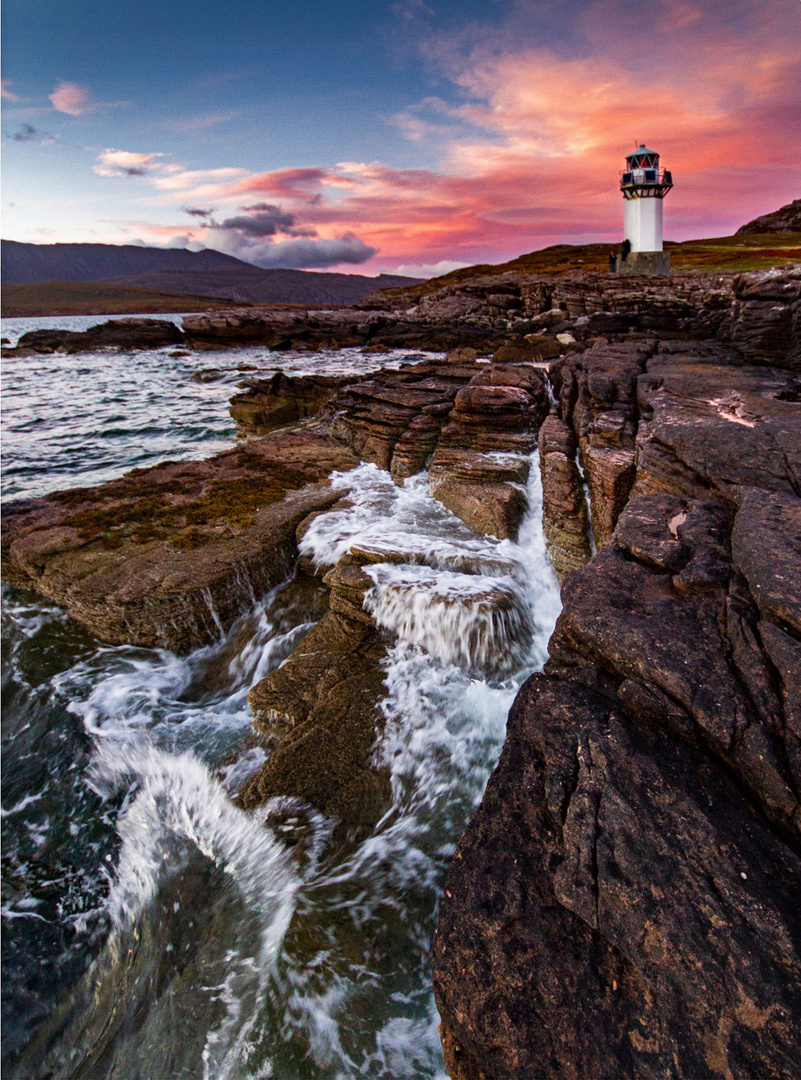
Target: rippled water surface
[152, 929]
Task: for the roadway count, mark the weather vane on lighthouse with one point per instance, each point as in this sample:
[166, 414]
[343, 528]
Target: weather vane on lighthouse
[644, 186]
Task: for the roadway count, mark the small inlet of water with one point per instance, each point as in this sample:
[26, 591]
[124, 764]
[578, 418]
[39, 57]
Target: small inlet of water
[152, 928]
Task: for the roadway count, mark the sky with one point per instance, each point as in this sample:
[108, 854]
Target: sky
[401, 136]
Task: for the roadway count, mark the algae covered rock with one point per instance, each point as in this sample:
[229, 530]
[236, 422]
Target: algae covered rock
[170, 556]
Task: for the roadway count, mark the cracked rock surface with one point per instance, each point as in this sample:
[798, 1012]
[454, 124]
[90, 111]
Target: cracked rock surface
[625, 901]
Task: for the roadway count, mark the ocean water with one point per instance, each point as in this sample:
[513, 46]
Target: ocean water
[151, 928]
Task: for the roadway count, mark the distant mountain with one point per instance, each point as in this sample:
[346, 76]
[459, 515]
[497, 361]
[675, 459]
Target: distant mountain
[209, 273]
[253, 285]
[25, 263]
[787, 219]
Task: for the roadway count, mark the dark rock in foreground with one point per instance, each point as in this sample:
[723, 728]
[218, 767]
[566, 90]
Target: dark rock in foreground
[617, 908]
[625, 901]
[319, 711]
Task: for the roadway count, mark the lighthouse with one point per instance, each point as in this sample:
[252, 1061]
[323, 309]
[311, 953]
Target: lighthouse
[644, 186]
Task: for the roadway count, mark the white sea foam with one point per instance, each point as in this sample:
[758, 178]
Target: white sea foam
[320, 966]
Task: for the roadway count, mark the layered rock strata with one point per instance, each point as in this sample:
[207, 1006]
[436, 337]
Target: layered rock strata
[480, 465]
[625, 900]
[170, 556]
[267, 404]
[291, 328]
[757, 313]
[319, 711]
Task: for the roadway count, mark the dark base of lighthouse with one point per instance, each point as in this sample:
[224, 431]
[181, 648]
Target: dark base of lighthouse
[644, 262]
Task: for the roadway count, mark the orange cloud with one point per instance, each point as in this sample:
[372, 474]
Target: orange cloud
[531, 154]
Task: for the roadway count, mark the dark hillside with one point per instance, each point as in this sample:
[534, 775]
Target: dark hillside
[250, 284]
[24, 263]
[96, 298]
[785, 220]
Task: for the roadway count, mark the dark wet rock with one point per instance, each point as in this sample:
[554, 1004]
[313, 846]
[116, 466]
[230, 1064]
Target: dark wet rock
[282, 399]
[565, 521]
[709, 426]
[672, 612]
[170, 556]
[116, 333]
[480, 465]
[766, 326]
[623, 902]
[528, 349]
[319, 712]
[615, 908]
[598, 391]
[293, 328]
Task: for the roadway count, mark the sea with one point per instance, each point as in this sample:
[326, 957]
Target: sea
[151, 929]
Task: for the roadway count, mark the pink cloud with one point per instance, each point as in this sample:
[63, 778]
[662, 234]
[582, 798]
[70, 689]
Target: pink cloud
[531, 155]
[126, 163]
[72, 99]
[7, 93]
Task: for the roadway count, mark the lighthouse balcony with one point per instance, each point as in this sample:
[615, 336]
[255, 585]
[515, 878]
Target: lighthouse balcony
[645, 183]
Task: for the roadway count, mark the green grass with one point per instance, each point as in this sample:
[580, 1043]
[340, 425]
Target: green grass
[717, 254]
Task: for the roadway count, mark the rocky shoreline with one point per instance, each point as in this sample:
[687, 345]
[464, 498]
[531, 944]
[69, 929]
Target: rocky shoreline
[624, 902]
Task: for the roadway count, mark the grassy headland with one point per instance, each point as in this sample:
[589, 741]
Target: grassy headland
[759, 251]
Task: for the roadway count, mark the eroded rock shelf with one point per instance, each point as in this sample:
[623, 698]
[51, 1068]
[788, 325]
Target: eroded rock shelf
[625, 901]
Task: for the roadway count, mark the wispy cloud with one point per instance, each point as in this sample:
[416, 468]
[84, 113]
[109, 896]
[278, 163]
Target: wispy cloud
[201, 121]
[126, 163]
[529, 148]
[75, 100]
[7, 92]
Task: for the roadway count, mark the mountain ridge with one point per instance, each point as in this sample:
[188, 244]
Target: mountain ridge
[206, 273]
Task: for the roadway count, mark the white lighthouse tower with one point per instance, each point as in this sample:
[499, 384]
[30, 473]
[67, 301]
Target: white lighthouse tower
[644, 186]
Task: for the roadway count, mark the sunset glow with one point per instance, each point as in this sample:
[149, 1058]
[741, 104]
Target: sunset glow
[518, 147]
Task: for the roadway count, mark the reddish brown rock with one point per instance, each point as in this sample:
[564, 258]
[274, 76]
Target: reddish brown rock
[271, 403]
[564, 516]
[319, 712]
[170, 556]
[398, 412]
[481, 464]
